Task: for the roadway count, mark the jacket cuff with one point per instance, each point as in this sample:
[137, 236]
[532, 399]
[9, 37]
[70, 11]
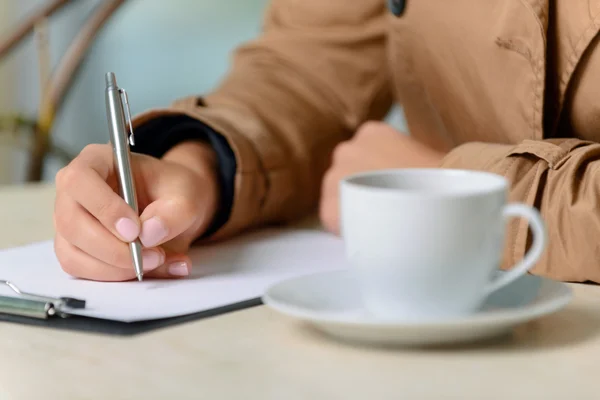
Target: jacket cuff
[157, 136]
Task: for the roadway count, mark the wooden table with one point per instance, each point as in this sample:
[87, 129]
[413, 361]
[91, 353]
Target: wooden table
[258, 354]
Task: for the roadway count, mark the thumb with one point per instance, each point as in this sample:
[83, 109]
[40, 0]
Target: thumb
[168, 218]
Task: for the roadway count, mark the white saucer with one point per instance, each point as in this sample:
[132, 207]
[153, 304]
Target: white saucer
[330, 302]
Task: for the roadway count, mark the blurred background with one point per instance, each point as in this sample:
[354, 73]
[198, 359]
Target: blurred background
[157, 34]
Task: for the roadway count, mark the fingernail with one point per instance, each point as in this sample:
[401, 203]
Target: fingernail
[152, 259]
[179, 268]
[153, 231]
[127, 229]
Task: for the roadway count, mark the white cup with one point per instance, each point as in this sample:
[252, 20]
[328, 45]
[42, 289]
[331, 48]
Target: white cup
[426, 243]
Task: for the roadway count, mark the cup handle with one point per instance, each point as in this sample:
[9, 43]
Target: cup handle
[535, 252]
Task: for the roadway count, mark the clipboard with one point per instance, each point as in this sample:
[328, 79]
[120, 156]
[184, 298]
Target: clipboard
[229, 276]
[35, 310]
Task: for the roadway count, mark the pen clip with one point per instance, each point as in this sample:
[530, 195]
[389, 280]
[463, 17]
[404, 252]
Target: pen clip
[127, 111]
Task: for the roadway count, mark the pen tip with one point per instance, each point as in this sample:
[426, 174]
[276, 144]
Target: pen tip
[139, 277]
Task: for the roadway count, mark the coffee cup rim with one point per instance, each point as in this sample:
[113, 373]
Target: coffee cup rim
[498, 183]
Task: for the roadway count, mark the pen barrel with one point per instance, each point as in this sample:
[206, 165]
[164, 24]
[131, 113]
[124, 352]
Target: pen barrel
[135, 248]
[117, 129]
[25, 307]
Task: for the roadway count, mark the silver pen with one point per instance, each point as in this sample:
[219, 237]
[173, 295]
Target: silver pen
[121, 136]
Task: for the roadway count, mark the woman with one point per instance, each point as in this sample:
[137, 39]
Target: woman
[504, 86]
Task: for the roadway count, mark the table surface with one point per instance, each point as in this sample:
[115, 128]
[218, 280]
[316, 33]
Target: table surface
[259, 354]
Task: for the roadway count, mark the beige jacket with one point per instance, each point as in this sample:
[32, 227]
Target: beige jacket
[507, 86]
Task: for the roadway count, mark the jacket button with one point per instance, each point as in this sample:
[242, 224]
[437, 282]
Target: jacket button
[397, 7]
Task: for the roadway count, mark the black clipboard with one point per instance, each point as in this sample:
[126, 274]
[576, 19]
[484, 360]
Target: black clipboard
[35, 310]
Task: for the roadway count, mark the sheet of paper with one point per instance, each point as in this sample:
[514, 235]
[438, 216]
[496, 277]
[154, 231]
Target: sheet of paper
[223, 274]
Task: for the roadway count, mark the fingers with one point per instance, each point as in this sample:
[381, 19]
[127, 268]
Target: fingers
[94, 224]
[176, 266]
[81, 265]
[84, 180]
[328, 205]
[83, 231]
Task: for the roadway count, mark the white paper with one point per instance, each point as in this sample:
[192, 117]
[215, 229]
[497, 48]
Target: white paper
[223, 274]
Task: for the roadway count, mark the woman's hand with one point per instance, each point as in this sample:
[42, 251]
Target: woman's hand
[375, 146]
[177, 198]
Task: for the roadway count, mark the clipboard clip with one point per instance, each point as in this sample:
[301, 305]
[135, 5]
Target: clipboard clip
[36, 306]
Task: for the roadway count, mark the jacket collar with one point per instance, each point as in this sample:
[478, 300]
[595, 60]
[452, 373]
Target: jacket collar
[528, 27]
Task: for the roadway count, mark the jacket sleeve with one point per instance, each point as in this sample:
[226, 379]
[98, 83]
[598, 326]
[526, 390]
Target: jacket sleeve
[560, 177]
[315, 73]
